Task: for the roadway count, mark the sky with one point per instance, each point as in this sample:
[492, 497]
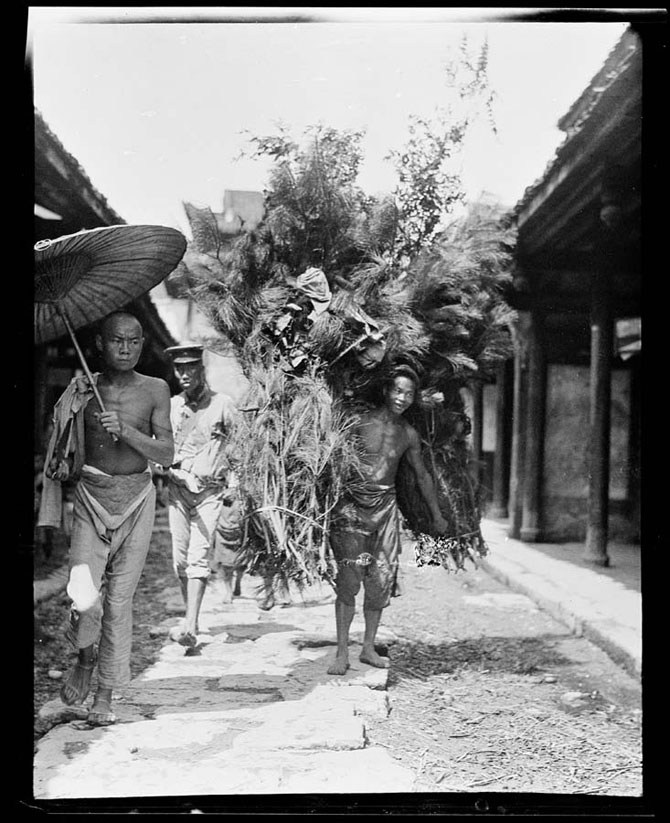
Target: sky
[158, 112]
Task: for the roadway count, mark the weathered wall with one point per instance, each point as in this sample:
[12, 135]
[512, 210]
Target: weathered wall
[565, 475]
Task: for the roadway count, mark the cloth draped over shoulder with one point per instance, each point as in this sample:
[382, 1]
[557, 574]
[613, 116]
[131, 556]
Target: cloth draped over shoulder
[67, 438]
[201, 431]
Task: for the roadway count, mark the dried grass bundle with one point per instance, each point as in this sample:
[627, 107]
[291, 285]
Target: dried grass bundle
[293, 456]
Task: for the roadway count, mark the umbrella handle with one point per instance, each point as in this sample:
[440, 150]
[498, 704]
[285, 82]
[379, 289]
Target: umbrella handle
[84, 364]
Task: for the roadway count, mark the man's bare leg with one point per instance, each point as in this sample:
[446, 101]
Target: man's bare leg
[237, 591]
[75, 690]
[227, 584]
[267, 600]
[195, 591]
[344, 614]
[101, 713]
[183, 585]
[368, 653]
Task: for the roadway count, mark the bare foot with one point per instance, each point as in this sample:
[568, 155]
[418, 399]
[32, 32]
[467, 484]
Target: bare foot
[183, 637]
[75, 690]
[371, 657]
[267, 603]
[101, 713]
[227, 580]
[339, 665]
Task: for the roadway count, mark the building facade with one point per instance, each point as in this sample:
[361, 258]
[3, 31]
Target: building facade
[566, 465]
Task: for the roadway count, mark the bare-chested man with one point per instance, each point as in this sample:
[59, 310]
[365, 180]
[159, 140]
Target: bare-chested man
[366, 531]
[114, 504]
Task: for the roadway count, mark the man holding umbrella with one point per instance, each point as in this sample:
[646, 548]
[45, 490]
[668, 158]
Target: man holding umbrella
[109, 451]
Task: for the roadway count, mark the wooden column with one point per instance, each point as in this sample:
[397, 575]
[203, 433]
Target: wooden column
[500, 461]
[519, 332]
[602, 335]
[477, 391]
[534, 434]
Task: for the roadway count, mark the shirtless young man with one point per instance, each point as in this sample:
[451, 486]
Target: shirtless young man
[366, 524]
[114, 504]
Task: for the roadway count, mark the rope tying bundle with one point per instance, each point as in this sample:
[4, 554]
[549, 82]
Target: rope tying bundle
[364, 559]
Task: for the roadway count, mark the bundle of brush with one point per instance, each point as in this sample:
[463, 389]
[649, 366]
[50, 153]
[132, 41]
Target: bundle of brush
[442, 426]
[316, 301]
[293, 452]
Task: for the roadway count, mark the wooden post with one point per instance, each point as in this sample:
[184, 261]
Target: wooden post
[500, 463]
[477, 432]
[534, 423]
[518, 431]
[599, 436]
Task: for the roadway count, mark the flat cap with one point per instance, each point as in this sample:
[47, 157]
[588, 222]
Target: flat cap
[186, 353]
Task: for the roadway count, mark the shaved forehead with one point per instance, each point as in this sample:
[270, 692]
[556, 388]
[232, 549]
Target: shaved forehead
[120, 320]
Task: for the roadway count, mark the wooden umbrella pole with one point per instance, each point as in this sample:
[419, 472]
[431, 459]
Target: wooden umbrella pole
[82, 359]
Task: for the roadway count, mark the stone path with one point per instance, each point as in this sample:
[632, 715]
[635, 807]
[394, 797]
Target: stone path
[251, 710]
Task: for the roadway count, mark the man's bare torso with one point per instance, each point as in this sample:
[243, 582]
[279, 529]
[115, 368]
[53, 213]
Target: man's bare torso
[135, 402]
[384, 439]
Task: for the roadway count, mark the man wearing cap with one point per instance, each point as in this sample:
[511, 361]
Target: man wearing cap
[199, 479]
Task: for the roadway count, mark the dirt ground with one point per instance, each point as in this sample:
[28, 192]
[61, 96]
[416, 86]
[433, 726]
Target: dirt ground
[490, 694]
[487, 693]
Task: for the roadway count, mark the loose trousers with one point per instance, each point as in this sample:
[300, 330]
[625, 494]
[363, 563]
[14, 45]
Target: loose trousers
[115, 565]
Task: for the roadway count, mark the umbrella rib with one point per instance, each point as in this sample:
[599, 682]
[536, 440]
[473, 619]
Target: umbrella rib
[91, 291]
[77, 310]
[148, 259]
[110, 242]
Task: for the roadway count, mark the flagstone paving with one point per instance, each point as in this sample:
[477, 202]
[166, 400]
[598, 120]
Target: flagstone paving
[252, 710]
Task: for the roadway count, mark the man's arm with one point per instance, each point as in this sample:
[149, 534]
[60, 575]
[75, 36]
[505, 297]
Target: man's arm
[424, 480]
[157, 446]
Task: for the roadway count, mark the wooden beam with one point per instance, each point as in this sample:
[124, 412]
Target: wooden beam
[517, 457]
[534, 435]
[501, 454]
[602, 339]
[572, 187]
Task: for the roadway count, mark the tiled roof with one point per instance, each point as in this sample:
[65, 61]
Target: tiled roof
[112, 217]
[618, 62]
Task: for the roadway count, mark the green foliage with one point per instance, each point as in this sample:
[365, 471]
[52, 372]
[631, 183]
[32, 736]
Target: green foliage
[429, 185]
[426, 190]
[422, 293]
[314, 209]
[442, 427]
[457, 290]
